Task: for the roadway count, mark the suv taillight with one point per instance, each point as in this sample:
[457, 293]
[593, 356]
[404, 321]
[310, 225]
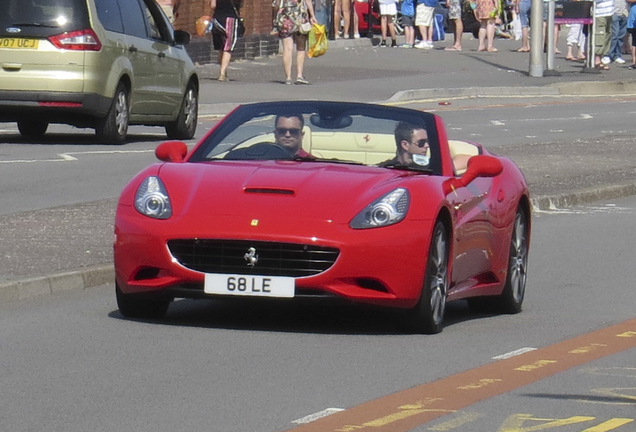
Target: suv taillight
[80, 40]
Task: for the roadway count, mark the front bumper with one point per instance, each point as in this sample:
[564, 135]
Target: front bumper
[382, 266]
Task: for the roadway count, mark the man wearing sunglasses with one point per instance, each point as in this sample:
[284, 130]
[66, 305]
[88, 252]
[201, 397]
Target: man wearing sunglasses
[288, 132]
[412, 146]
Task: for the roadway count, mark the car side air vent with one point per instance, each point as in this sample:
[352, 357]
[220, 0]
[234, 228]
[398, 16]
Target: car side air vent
[269, 191]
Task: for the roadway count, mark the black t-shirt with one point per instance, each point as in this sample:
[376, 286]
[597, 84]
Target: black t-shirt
[224, 9]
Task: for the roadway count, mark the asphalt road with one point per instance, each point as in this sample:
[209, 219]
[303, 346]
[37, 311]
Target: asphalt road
[72, 363]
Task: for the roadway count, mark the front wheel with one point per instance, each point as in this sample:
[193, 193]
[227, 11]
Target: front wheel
[184, 127]
[428, 316]
[141, 305]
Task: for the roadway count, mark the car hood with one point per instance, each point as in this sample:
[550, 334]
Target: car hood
[284, 191]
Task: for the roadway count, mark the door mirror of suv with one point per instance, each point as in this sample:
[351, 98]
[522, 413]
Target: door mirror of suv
[181, 37]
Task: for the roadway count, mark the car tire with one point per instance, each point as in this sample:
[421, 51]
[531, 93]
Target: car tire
[511, 298]
[186, 124]
[141, 305]
[113, 128]
[32, 128]
[428, 315]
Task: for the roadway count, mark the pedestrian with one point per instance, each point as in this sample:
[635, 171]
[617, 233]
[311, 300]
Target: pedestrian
[388, 10]
[407, 10]
[170, 8]
[486, 12]
[290, 19]
[341, 12]
[619, 29]
[603, 11]
[455, 15]
[575, 37]
[631, 29]
[225, 21]
[522, 7]
[424, 14]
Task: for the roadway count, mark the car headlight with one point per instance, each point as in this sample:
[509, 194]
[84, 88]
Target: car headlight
[152, 199]
[387, 210]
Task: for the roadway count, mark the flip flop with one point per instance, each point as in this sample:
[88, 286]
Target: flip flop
[492, 50]
[452, 49]
[601, 66]
[570, 58]
[523, 50]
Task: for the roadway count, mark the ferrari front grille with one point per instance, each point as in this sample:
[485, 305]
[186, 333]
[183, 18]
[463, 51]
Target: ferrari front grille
[252, 257]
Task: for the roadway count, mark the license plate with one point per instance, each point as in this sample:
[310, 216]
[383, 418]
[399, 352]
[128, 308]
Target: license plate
[248, 285]
[17, 43]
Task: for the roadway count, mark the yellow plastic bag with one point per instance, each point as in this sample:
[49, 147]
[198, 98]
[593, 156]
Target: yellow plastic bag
[318, 43]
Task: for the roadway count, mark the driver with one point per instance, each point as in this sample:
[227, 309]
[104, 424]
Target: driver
[412, 146]
[288, 132]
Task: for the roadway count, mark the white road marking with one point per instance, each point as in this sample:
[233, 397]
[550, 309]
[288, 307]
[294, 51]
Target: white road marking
[583, 209]
[318, 415]
[514, 353]
[67, 157]
[497, 123]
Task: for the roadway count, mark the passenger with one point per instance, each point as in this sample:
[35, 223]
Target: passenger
[412, 146]
[413, 149]
[288, 132]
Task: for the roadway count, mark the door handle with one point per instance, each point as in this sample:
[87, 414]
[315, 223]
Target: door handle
[133, 49]
[162, 55]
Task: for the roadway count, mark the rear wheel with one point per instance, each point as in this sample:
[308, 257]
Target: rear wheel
[141, 305]
[113, 128]
[32, 128]
[186, 124]
[514, 291]
[428, 316]
[511, 298]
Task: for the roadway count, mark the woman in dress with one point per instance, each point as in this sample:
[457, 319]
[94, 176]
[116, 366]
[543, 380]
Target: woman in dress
[290, 16]
[486, 11]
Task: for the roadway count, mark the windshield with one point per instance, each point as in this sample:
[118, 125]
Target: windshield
[318, 132]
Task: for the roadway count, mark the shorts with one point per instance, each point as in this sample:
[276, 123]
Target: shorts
[524, 13]
[424, 15]
[225, 40]
[408, 21]
[388, 9]
[454, 9]
[632, 31]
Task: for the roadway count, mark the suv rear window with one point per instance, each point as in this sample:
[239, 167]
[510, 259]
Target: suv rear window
[42, 18]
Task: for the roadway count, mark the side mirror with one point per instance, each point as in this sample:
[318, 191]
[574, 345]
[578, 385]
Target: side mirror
[171, 151]
[478, 166]
[181, 37]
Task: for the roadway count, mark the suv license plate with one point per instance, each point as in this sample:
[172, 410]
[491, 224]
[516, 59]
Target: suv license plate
[248, 285]
[16, 43]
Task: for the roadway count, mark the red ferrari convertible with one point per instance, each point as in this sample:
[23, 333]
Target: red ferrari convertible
[320, 200]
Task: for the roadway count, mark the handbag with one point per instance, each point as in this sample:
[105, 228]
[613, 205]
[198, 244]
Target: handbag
[240, 28]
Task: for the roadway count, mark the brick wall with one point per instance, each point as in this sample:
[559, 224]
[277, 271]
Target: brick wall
[257, 41]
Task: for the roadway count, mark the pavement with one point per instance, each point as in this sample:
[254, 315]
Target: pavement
[70, 247]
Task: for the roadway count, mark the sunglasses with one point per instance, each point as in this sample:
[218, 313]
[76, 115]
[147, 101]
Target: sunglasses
[295, 132]
[421, 143]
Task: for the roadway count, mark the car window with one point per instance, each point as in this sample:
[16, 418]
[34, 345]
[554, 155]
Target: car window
[160, 29]
[110, 15]
[43, 18]
[133, 18]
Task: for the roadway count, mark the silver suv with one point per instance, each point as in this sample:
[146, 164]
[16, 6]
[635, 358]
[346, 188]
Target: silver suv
[103, 64]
